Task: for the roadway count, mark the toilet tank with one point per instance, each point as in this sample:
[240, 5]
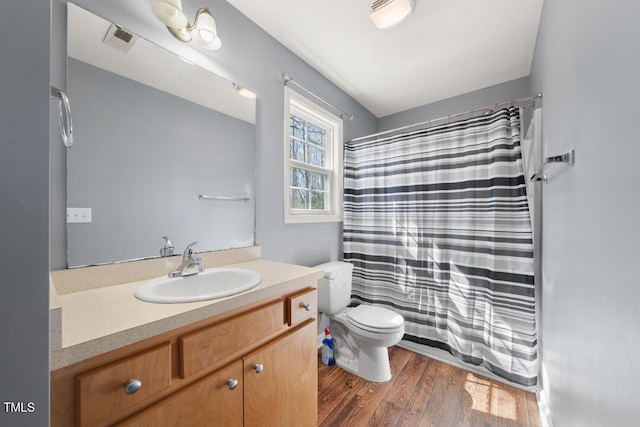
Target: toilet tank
[334, 289]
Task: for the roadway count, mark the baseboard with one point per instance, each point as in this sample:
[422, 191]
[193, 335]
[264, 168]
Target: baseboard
[543, 408]
[542, 396]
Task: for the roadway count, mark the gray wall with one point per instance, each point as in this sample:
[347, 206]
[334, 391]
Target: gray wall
[252, 58]
[24, 239]
[491, 95]
[140, 158]
[587, 65]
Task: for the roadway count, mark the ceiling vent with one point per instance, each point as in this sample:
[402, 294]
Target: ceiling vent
[119, 38]
[389, 13]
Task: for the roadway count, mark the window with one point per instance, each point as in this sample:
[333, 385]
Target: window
[313, 162]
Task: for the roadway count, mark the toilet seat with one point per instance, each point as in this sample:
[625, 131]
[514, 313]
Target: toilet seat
[375, 319]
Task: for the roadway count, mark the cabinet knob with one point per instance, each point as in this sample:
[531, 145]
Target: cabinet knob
[258, 367]
[306, 307]
[232, 383]
[132, 386]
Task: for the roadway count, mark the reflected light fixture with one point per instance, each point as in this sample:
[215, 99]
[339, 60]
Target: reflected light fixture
[389, 13]
[243, 91]
[203, 32]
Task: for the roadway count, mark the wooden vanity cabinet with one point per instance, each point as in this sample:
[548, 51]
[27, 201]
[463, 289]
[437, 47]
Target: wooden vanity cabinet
[301, 306]
[103, 391]
[281, 381]
[209, 401]
[257, 366]
[275, 385]
[209, 345]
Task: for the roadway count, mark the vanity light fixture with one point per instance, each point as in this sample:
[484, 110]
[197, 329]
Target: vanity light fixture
[244, 91]
[389, 13]
[203, 32]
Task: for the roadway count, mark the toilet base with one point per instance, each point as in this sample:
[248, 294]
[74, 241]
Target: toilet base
[356, 355]
[371, 364]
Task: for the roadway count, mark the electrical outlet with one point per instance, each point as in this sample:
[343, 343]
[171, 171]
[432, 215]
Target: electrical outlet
[78, 215]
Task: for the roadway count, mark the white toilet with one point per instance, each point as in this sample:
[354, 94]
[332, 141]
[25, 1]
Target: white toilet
[361, 334]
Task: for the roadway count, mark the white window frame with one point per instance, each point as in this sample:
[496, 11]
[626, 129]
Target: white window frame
[308, 110]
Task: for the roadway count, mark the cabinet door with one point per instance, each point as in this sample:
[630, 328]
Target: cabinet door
[281, 381]
[210, 401]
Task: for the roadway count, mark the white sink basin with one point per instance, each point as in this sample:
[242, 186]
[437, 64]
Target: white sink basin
[213, 283]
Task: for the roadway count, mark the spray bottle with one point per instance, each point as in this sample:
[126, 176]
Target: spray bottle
[327, 348]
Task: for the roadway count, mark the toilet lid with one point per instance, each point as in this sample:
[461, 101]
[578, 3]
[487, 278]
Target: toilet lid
[379, 318]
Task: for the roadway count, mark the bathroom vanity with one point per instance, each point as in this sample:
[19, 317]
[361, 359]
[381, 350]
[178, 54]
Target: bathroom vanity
[248, 359]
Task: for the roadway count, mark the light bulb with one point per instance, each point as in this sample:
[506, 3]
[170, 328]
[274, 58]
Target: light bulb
[204, 33]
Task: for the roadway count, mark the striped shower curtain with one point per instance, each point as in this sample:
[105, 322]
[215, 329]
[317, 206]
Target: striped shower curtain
[436, 223]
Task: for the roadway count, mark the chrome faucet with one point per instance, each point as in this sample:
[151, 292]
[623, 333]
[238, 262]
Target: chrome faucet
[167, 249]
[190, 263]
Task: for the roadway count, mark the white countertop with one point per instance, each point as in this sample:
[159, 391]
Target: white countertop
[99, 320]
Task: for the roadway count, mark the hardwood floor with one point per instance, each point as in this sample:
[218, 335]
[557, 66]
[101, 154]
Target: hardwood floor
[422, 392]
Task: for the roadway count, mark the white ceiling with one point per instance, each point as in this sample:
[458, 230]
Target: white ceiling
[446, 48]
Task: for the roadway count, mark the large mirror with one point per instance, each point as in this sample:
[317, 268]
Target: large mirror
[152, 133]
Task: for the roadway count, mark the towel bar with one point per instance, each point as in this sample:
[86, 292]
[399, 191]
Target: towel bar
[568, 158]
[226, 198]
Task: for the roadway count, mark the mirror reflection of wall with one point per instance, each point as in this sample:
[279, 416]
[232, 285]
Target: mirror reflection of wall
[147, 141]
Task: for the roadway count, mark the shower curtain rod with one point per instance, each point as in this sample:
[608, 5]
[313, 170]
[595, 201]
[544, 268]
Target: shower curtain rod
[288, 79]
[486, 109]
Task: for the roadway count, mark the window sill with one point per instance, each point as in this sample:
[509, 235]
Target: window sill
[311, 218]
